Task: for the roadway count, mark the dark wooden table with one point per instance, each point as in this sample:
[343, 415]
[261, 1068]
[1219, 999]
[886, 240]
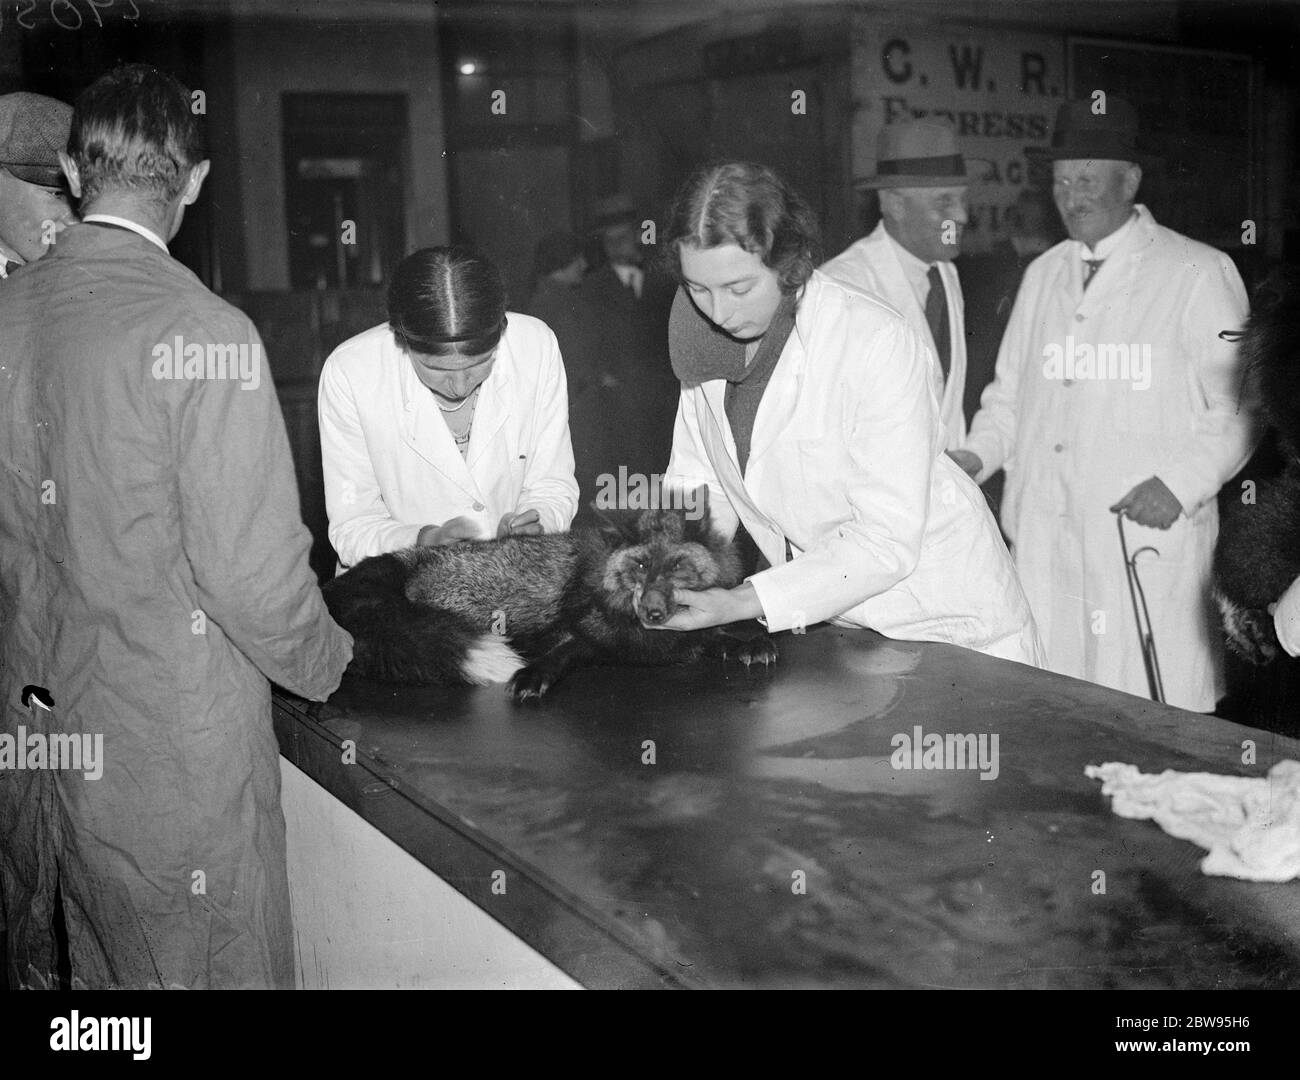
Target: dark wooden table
[772, 844]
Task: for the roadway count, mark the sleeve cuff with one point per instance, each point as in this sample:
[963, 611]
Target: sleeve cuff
[1187, 486]
[987, 453]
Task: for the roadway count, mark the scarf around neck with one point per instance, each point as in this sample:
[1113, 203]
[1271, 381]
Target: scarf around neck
[701, 352]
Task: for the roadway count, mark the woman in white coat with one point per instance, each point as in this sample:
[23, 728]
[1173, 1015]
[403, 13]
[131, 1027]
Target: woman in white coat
[808, 410]
[447, 423]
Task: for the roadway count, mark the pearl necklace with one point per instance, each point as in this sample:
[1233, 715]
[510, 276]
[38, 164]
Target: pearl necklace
[470, 397]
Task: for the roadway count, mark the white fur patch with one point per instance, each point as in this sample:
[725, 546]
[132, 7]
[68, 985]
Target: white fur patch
[490, 660]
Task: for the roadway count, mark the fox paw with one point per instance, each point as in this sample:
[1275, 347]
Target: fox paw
[529, 684]
[759, 650]
[750, 651]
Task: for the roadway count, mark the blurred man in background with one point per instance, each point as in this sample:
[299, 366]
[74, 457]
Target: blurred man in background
[628, 419]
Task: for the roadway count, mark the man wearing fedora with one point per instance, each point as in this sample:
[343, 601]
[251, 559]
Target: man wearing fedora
[623, 397]
[1114, 393]
[907, 259]
[33, 204]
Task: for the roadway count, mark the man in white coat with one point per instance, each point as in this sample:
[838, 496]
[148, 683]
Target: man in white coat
[1114, 393]
[907, 258]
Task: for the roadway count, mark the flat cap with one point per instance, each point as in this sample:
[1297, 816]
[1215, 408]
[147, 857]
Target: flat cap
[33, 129]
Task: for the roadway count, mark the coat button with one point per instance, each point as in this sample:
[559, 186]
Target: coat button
[1067, 382]
[478, 506]
[1059, 447]
[1080, 317]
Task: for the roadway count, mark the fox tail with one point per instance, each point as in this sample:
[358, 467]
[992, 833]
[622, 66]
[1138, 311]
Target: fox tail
[397, 641]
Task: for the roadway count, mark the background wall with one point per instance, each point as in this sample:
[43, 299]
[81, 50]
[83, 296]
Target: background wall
[268, 59]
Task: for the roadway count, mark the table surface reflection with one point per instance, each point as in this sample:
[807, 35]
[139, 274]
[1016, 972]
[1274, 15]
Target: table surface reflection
[713, 826]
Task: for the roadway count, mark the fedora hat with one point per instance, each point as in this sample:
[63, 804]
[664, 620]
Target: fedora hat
[917, 153]
[1081, 134]
[33, 129]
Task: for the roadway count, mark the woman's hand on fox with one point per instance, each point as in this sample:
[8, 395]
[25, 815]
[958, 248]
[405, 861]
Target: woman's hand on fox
[527, 523]
[712, 607]
[450, 532]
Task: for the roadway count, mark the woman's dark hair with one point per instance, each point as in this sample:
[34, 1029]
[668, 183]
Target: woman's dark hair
[739, 202]
[445, 300]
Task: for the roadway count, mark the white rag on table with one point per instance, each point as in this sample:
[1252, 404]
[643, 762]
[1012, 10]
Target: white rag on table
[1250, 826]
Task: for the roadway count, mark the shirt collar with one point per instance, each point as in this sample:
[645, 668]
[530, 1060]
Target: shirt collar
[632, 277]
[1108, 245]
[917, 271]
[126, 223]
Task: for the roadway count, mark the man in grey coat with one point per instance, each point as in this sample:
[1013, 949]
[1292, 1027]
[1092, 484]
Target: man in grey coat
[153, 577]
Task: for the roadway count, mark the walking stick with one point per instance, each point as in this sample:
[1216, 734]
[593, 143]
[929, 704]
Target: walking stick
[1146, 639]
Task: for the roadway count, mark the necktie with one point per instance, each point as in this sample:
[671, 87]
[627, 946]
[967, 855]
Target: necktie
[1093, 266]
[936, 314]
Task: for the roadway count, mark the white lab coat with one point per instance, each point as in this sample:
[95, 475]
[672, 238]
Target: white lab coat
[391, 465]
[873, 266]
[847, 462]
[1073, 448]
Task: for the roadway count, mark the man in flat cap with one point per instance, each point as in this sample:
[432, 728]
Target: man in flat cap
[1114, 393]
[907, 259]
[33, 205]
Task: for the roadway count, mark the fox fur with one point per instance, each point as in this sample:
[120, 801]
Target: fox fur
[1258, 554]
[527, 609]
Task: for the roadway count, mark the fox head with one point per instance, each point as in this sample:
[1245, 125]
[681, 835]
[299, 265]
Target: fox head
[654, 555]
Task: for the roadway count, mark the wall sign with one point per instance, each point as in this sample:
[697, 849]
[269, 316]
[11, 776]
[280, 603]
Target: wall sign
[998, 88]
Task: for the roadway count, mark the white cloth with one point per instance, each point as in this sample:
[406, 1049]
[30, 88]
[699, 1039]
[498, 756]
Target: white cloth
[1249, 825]
[873, 265]
[846, 461]
[1286, 619]
[391, 465]
[1073, 448]
[127, 223]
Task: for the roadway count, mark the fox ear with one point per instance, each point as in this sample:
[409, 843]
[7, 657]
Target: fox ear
[611, 527]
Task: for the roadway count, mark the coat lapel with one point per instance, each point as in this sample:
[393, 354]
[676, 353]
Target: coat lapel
[776, 409]
[721, 450]
[896, 288]
[490, 413]
[1116, 274]
[425, 432]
